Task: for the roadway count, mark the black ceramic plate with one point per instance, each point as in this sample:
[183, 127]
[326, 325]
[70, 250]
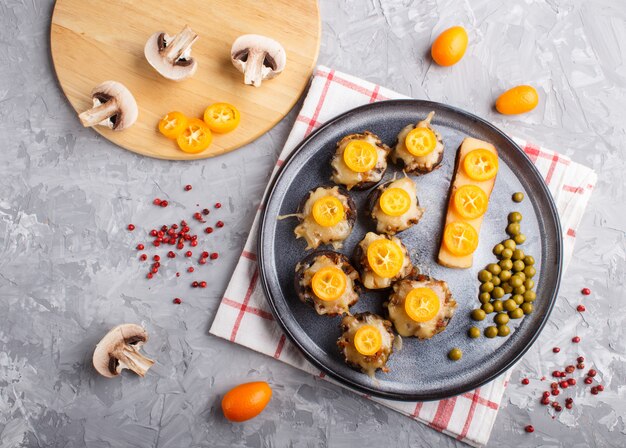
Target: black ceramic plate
[421, 370]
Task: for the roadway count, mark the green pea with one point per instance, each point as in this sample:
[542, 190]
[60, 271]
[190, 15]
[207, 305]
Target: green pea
[530, 271]
[484, 276]
[487, 308]
[510, 305]
[507, 264]
[519, 290]
[527, 308]
[513, 229]
[491, 332]
[503, 330]
[455, 354]
[508, 289]
[497, 292]
[518, 197]
[518, 254]
[518, 299]
[484, 297]
[473, 332]
[493, 268]
[515, 217]
[518, 266]
[501, 318]
[517, 313]
[498, 248]
[478, 314]
[505, 275]
[497, 306]
[521, 275]
[509, 244]
[516, 281]
[495, 281]
[520, 238]
[529, 260]
[506, 254]
[529, 284]
[486, 287]
[530, 296]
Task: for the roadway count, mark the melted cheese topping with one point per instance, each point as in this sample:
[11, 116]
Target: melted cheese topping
[368, 364]
[413, 163]
[394, 224]
[344, 302]
[405, 326]
[370, 279]
[312, 232]
[345, 176]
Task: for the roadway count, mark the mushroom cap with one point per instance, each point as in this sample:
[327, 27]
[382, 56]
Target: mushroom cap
[128, 110]
[125, 334]
[273, 56]
[162, 65]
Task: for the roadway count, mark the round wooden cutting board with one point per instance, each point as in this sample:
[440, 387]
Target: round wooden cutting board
[98, 40]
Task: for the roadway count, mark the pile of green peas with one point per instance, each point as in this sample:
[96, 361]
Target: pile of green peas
[512, 274]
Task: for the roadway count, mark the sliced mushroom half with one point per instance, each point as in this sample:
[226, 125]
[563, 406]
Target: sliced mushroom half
[258, 58]
[113, 106]
[171, 55]
[119, 349]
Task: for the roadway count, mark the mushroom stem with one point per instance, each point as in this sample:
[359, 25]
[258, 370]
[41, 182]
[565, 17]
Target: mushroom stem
[130, 358]
[180, 44]
[253, 73]
[100, 113]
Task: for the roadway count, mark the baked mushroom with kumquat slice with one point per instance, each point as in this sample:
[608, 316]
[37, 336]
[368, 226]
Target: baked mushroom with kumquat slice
[394, 206]
[119, 349]
[171, 55]
[382, 260]
[327, 215]
[420, 306]
[327, 281]
[360, 161]
[419, 148]
[113, 106]
[366, 342]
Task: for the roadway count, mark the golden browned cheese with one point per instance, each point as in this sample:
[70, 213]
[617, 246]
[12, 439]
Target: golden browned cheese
[394, 224]
[344, 302]
[421, 164]
[404, 325]
[312, 232]
[369, 278]
[367, 364]
[345, 176]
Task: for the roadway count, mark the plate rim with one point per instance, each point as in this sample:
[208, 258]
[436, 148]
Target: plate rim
[347, 382]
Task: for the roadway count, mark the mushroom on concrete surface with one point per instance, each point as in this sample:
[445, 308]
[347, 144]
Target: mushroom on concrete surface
[258, 58]
[171, 55]
[113, 106]
[119, 349]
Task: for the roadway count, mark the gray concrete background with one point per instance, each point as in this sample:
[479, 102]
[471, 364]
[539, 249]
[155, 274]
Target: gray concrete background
[68, 270]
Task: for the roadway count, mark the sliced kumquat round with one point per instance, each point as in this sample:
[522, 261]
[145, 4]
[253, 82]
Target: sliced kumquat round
[328, 211]
[420, 141]
[368, 340]
[222, 117]
[460, 238]
[195, 138]
[470, 201]
[421, 304]
[329, 283]
[394, 201]
[385, 257]
[360, 156]
[172, 124]
[481, 164]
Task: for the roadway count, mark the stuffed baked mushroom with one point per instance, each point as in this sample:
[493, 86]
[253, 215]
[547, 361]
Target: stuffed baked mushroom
[360, 161]
[366, 342]
[382, 260]
[327, 215]
[327, 281]
[420, 306]
[394, 206]
[419, 148]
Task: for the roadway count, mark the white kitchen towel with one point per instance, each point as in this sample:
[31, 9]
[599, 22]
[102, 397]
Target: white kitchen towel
[244, 316]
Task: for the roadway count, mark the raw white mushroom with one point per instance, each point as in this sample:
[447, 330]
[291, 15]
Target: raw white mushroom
[119, 349]
[171, 55]
[113, 106]
[258, 58]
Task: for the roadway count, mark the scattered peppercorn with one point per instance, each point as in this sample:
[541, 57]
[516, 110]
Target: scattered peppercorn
[219, 224]
[143, 257]
[586, 291]
[195, 284]
[525, 381]
[157, 201]
[600, 387]
[209, 230]
[218, 205]
[592, 372]
[529, 428]
[588, 380]
[556, 350]
[163, 204]
[202, 284]
[177, 301]
[131, 227]
[188, 187]
[571, 381]
[190, 269]
[581, 308]
[576, 339]
[140, 247]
